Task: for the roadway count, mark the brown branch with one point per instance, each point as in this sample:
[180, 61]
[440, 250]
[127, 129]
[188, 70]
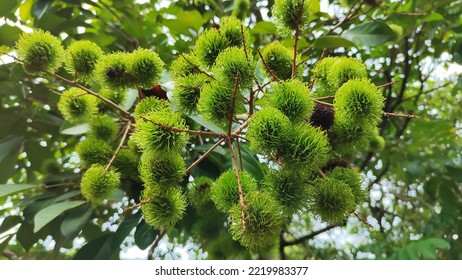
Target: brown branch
[321, 58]
[323, 103]
[325, 97]
[239, 185]
[122, 140]
[321, 174]
[156, 242]
[387, 84]
[87, 90]
[204, 156]
[240, 128]
[309, 236]
[240, 154]
[296, 37]
[399, 115]
[273, 77]
[198, 68]
[233, 103]
[364, 221]
[244, 45]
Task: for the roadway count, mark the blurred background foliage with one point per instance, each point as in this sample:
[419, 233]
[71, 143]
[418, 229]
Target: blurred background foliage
[411, 46]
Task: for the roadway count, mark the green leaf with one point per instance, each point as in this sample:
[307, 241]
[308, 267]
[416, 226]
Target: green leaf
[264, 27]
[332, 42]
[192, 19]
[4, 244]
[97, 249]
[74, 129]
[438, 243]
[46, 215]
[8, 145]
[9, 35]
[8, 7]
[9, 222]
[144, 235]
[433, 17]
[40, 7]
[207, 124]
[25, 10]
[76, 219]
[124, 230]
[14, 188]
[373, 33]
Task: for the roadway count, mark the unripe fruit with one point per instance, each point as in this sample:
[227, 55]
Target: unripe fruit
[358, 101]
[345, 69]
[97, 184]
[288, 188]
[289, 14]
[332, 200]
[376, 144]
[215, 102]
[112, 71]
[232, 63]
[92, 151]
[320, 72]
[151, 104]
[76, 105]
[225, 190]
[351, 179]
[308, 146]
[103, 127]
[199, 193]
[145, 68]
[209, 44]
[127, 162]
[117, 96]
[230, 27]
[81, 59]
[157, 140]
[263, 221]
[278, 59]
[162, 171]
[292, 98]
[184, 65]
[269, 131]
[40, 51]
[163, 209]
[187, 92]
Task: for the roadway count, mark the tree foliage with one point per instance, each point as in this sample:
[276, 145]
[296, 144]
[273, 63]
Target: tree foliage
[53, 151]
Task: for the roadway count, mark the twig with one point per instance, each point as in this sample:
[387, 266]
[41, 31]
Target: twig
[309, 236]
[321, 174]
[273, 77]
[362, 220]
[239, 185]
[204, 156]
[137, 205]
[156, 242]
[316, 100]
[325, 97]
[387, 84]
[244, 45]
[410, 116]
[296, 37]
[240, 155]
[233, 103]
[198, 68]
[122, 140]
[87, 90]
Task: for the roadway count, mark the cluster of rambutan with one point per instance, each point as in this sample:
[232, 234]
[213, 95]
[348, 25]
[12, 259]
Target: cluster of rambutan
[300, 136]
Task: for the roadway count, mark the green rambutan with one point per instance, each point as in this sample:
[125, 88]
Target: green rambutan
[163, 171]
[163, 209]
[39, 51]
[292, 98]
[98, 184]
[262, 218]
[93, 151]
[332, 200]
[81, 58]
[76, 105]
[145, 68]
[225, 190]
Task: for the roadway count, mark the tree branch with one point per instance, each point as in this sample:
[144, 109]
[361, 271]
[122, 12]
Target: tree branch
[309, 236]
[156, 242]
